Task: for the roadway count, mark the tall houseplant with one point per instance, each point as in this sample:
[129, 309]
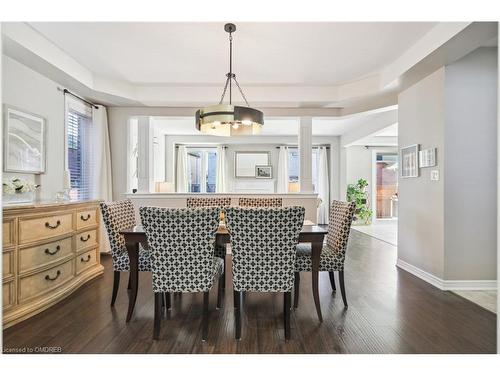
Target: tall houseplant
[357, 193]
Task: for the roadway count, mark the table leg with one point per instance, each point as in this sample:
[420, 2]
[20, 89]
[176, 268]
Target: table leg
[316, 257]
[133, 255]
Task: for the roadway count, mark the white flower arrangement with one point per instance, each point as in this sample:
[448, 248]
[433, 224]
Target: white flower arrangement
[18, 186]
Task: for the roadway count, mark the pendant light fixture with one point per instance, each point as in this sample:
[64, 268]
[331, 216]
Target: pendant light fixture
[228, 119]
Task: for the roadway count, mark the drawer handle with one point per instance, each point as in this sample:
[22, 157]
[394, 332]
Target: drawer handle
[85, 218]
[48, 278]
[48, 252]
[86, 260]
[47, 224]
[85, 239]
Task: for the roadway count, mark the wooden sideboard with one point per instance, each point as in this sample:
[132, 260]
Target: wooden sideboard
[49, 250]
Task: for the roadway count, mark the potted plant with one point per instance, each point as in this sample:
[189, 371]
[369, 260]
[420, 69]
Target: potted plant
[357, 193]
[18, 190]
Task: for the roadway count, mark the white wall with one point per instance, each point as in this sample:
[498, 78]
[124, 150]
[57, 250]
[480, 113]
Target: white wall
[421, 206]
[254, 143]
[470, 183]
[447, 228]
[28, 90]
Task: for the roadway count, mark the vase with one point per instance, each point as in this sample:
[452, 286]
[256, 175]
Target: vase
[17, 198]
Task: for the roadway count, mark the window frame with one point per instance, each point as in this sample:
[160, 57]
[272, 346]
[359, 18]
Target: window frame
[315, 158]
[204, 150]
[71, 105]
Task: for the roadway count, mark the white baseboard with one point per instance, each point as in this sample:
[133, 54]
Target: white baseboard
[447, 284]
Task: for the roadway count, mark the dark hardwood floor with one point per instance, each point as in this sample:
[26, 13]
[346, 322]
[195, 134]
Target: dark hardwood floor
[390, 311]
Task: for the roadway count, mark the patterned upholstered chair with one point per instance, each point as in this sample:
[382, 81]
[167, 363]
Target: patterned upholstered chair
[181, 243]
[260, 202]
[221, 202]
[263, 243]
[117, 216]
[333, 252]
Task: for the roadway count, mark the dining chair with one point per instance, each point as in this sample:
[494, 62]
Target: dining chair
[333, 253]
[221, 202]
[260, 202]
[263, 243]
[181, 242]
[119, 215]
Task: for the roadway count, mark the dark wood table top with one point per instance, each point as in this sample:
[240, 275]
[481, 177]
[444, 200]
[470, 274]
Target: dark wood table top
[306, 229]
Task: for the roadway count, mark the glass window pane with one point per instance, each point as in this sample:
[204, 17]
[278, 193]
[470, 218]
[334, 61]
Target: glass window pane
[315, 164]
[194, 171]
[79, 129]
[211, 170]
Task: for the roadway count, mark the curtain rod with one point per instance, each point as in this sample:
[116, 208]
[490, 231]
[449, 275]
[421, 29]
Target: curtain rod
[66, 91]
[177, 146]
[327, 147]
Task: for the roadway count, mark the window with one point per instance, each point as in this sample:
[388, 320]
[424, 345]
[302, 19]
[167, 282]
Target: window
[133, 154]
[79, 154]
[202, 170]
[294, 169]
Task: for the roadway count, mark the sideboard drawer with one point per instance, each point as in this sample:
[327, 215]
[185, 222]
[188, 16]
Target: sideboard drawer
[8, 233]
[86, 239]
[8, 264]
[37, 256]
[86, 260]
[39, 283]
[86, 218]
[8, 294]
[35, 229]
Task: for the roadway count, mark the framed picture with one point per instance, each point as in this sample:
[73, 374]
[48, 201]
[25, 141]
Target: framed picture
[409, 161]
[427, 158]
[263, 171]
[245, 162]
[24, 141]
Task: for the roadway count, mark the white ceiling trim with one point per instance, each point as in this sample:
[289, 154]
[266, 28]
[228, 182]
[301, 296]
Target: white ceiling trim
[364, 93]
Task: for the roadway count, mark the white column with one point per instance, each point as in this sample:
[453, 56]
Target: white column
[305, 152]
[145, 180]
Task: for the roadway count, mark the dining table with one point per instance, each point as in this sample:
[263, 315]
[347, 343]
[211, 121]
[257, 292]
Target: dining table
[135, 236]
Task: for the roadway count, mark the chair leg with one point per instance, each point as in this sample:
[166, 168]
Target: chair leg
[116, 285]
[220, 290]
[158, 314]
[237, 296]
[129, 286]
[332, 280]
[286, 316]
[224, 273]
[342, 287]
[204, 334]
[296, 288]
[168, 301]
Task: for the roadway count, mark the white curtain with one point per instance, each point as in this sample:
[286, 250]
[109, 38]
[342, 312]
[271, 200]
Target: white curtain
[282, 175]
[181, 174]
[102, 182]
[323, 187]
[220, 180]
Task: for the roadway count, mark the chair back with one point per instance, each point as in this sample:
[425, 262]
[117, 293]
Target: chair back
[208, 202]
[260, 202]
[181, 244]
[263, 242]
[339, 226]
[117, 216]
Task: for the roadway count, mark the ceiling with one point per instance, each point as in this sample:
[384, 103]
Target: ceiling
[316, 54]
[390, 131]
[330, 69]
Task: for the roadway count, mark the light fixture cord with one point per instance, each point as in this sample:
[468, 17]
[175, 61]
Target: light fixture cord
[231, 76]
[230, 66]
